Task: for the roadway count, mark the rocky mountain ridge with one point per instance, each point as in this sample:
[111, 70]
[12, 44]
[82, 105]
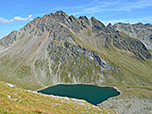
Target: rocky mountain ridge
[61, 21]
[140, 31]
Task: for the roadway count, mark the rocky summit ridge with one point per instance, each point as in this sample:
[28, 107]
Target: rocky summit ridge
[58, 48]
[54, 22]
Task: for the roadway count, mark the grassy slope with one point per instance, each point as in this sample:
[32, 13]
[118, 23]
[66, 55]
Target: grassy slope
[15, 70]
[32, 103]
[134, 79]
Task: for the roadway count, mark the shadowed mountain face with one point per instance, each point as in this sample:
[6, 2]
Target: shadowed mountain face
[142, 32]
[58, 48]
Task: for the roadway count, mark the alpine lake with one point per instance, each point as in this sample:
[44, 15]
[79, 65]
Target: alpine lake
[91, 93]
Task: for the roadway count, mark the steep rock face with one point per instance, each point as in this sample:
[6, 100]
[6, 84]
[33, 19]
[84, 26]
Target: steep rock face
[9, 40]
[124, 42]
[142, 32]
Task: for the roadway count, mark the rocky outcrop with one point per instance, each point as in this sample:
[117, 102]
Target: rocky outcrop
[124, 42]
[92, 55]
[7, 41]
[142, 32]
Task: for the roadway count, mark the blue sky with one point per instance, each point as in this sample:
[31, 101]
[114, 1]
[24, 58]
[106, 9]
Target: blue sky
[14, 14]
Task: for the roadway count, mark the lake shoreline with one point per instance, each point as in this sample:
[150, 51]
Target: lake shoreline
[111, 97]
[115, 88]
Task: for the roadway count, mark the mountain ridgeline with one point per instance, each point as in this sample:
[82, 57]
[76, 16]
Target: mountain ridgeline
[58, 48]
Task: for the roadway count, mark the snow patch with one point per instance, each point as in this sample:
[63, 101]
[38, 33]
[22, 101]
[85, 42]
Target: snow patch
[10, 85]
[9, 96]
[32, 91]
[91, 58]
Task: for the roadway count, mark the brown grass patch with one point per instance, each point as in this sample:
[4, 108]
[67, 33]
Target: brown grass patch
[41, 111]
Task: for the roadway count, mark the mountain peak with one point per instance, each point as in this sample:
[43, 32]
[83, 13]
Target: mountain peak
[109, 25]
[83, 17]
[93, 18]
[61, 13]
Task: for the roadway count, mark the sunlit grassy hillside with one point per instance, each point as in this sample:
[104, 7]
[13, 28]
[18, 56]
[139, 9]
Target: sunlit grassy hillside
[15, 100]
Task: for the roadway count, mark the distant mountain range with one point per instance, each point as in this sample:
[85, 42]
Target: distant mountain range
[58, 48]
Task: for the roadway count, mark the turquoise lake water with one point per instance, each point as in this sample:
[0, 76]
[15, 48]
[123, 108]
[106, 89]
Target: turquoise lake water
[91, 93]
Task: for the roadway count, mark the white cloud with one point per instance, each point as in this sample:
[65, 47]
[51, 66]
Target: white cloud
[16, 18]
[3, 20]
[30, 16]
[19, 18]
